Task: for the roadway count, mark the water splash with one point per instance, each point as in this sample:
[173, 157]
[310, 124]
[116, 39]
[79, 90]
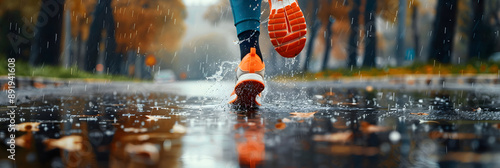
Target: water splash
[223, 70]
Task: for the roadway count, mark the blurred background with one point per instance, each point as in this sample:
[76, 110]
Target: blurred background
[196, 39]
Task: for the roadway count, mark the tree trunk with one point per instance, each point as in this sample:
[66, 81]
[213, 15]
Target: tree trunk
[312, 34]
[112, 59]
[371, 37]
[46, 47]
[328, 43]
[353, 35]
[476, 33]
[67, 40]
[80, 56]
[103, 18]
[444, 30]
[415, 31]
[400, 41]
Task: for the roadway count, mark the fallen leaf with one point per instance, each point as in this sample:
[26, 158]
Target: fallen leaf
[135, 130]
[280, 126]
[155, 118]
[25, 140]
[178, 129]
[419, 114]
[5, 87]
[452, 135]
[70, 143]
[27, 126]
[329, 94]
[334, 137]
[286, 120]
[369, 128]
[350, 150]
[369, 88]
[348, 104]
[143, 153]
[303, 115]
[38, 85]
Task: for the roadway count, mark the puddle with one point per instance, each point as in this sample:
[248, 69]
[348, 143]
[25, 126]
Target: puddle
[300, 127]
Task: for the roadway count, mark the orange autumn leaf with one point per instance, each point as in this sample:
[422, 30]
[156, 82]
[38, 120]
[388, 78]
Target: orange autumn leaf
[25, 140]
[334, 137]
[286, 120]
[70, 143]
[155, 117]
[5, 87]
[280, 126]
[39, 85]
[27, 126]
[369, 128]
[303, 115]
[452, 135]
[419, 114]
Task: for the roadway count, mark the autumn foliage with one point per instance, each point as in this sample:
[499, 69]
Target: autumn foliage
[149, 26]
[144, 26]
[80, 17]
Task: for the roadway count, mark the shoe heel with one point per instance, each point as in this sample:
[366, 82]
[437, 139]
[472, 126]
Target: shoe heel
[249, 86]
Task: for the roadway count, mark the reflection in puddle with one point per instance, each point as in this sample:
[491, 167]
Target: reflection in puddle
[332, 128]
[250, 130]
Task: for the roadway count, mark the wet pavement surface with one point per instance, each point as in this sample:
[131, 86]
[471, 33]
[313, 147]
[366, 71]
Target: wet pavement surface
[189, 124]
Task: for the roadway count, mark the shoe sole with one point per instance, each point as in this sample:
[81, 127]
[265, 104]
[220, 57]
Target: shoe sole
[246, 90]
[287, 27]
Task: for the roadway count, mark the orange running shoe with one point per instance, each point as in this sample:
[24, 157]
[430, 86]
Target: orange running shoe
[287, 27]
[250, 81]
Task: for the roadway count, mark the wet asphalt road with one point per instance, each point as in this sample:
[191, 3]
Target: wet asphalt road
[312, 124]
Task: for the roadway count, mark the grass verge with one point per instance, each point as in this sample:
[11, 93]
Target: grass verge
[23, 69]
[472, 68]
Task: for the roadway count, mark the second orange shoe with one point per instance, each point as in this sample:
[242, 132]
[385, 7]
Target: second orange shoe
[287, 27]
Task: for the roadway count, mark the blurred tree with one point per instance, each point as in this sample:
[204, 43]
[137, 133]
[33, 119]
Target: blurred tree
[219, 12]
[492, 13]
[476, 35]
[27, 8]
[80, 18]
[149, 26]
[444, 31]
[328, 43]
[492, 10]
[314, 25]
[17, 28]
[204, 57]
[46, 46]
[371, 40]
[353, 36]
[388, 9]
[16, 44]
[103, 18]
[400, 37]
[330, 12]
[414, 11]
